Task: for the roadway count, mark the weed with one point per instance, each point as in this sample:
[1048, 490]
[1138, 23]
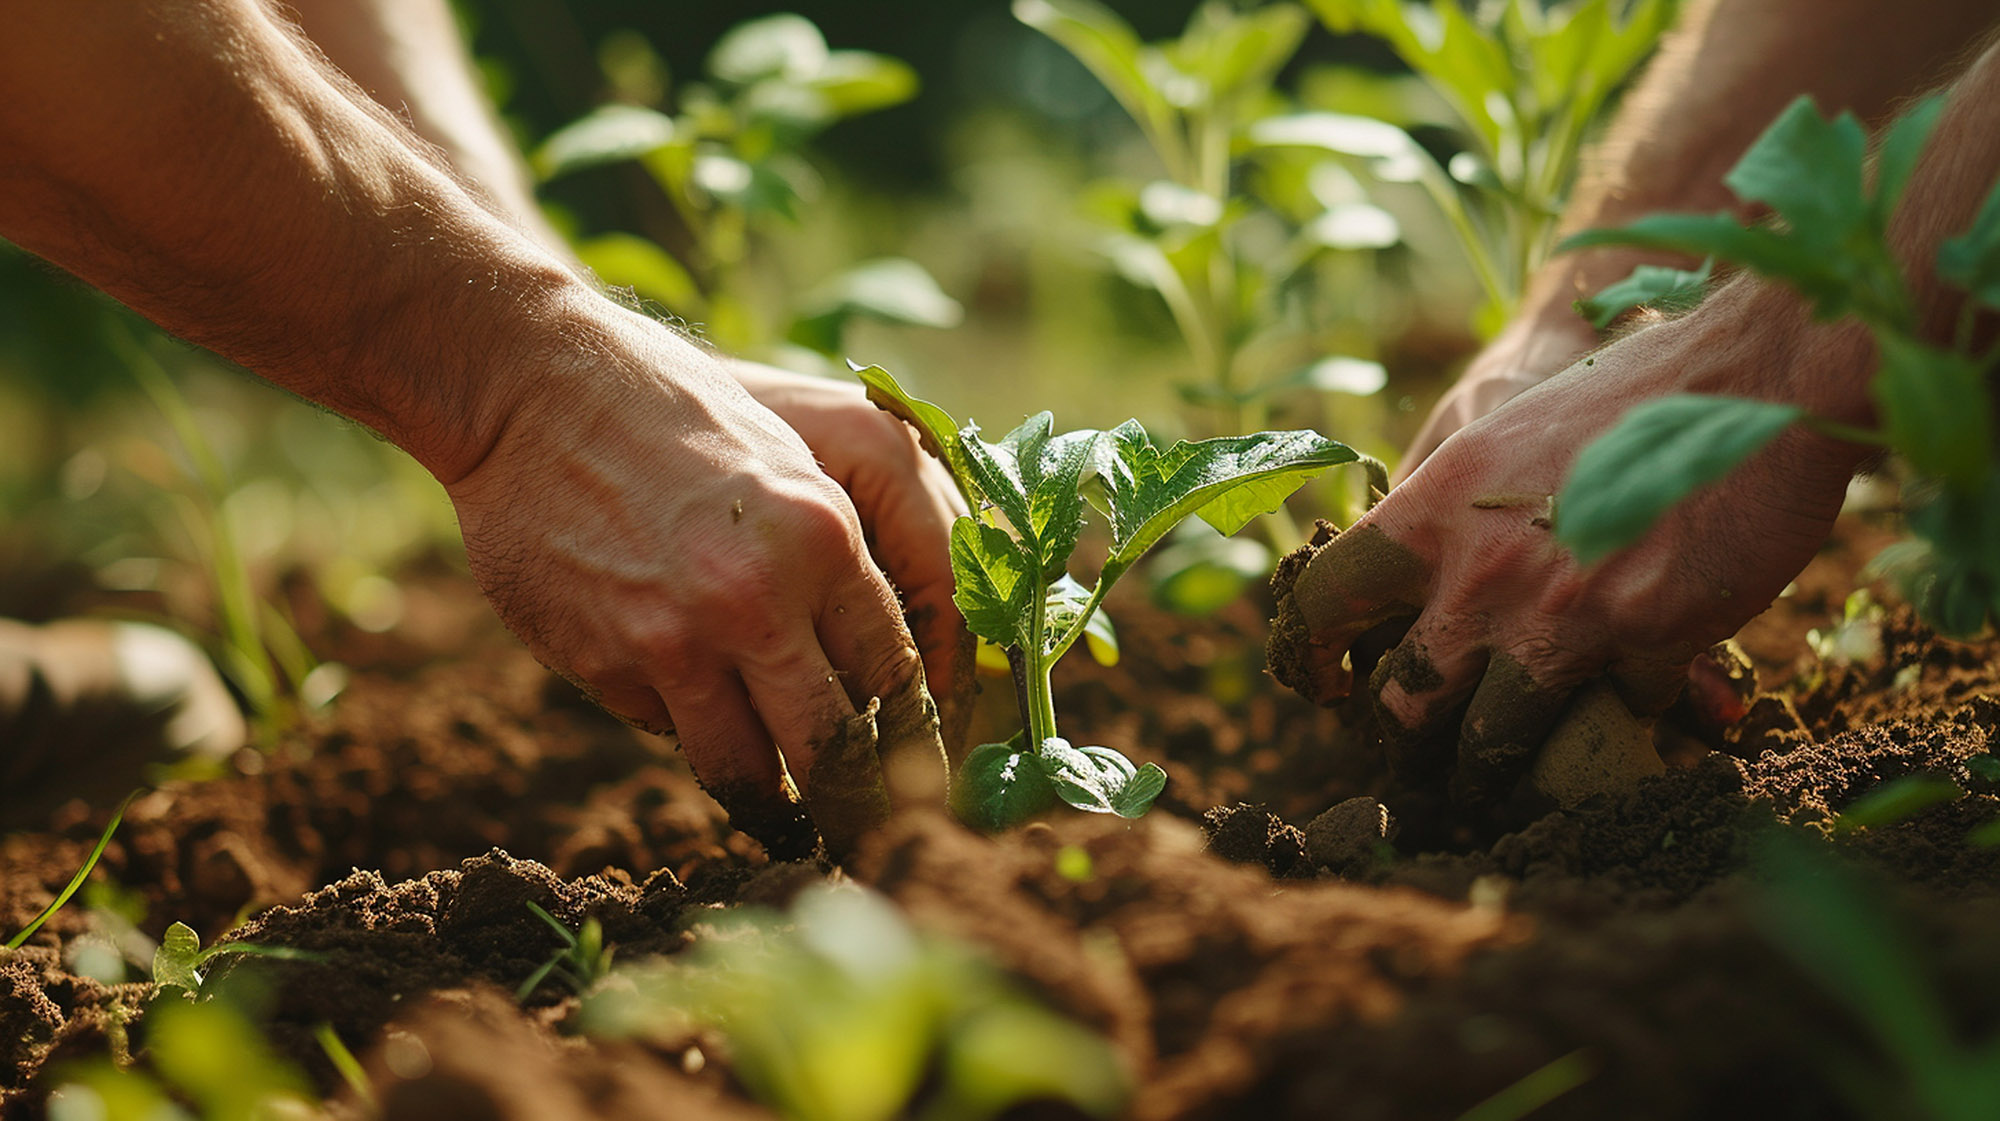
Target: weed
[76, 881]
[1015, 590]
[583, 960]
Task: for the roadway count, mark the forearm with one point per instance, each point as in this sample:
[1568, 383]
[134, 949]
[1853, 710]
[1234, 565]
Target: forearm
[1720, 79]
[201, 167]
[408, 56]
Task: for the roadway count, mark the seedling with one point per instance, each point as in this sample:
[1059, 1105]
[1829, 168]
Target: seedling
[62, 897]
[179, 960]
[839, 1011]
[1014, 586]
[203, 1062]
[583, 960]
[1832, 246]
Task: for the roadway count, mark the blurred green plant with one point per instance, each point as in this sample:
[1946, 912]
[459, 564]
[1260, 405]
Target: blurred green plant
[1526, 81]
[203, 1062]
[838, 1011]
[177, 964]
[731, 159]
[1935, 405]
[21, 937]
[582, 961]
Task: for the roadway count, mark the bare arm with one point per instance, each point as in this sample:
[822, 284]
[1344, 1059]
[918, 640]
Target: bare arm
[1720, 78]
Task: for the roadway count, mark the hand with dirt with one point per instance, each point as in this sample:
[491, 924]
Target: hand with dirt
[1499, 623]
[907, 503]
[669, 544]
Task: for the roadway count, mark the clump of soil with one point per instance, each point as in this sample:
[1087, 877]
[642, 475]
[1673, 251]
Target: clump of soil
[1273, 944]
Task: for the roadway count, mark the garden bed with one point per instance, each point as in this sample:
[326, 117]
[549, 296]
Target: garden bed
[1638, 959]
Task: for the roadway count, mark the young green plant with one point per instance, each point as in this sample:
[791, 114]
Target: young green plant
[1014, 586]
[82, 873]
[582, 961]
[1832, 246]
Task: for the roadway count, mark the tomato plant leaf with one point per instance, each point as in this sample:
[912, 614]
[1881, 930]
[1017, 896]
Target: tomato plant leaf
[1896, 159]
[1032, 476]
[995, 581]
[1810, 170]
[1656, 286]
[608, 134]
[936, 430]
[1972, 260]
[1136, 796]
[1227, 481]
[1656, 455]
[1936, 408]
[1000, 786]
[1718, 235]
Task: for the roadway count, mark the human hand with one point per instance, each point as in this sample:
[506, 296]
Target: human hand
[1532, 349]
[907, 503]
[661, 539]
[1503, 625]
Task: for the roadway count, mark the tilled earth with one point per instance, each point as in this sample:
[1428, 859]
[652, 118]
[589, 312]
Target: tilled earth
[1247, 953]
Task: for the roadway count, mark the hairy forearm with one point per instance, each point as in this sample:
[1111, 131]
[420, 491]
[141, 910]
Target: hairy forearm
[189, 158]
[1720, 78]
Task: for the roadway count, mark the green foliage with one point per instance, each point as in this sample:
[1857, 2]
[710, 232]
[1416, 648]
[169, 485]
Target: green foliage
[178, 962]
[1526, 82]
[731, 158]
[1013, 584]
[83, 873]
[1655, 456]
[1654, 286]
[840, 1012]
[204, 1062]
[1897, 800]
[1935, 402]
[582, 961]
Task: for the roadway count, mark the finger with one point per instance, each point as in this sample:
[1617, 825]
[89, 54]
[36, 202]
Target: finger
[864, 634]
[636, 705]
[733, 758]
[1520, 698]
[912, 540]
[1419, 691]
[1356, 581]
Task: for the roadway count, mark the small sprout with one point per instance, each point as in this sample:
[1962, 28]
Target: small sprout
[76, 881]
[343, 1061]
[179, 960]
[582, 961]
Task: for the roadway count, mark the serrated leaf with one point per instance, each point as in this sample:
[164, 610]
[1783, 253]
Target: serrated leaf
[1656, 455]
[1656, 286]
[1000, 786]
[1032, 476]
[936, 430]
[1897, 800]
[1227, 481]
[1972, 260]
[1810, 170]
[1936, 408]
[1137, 795]
[994, 582]
[177, 961]
[607, 134]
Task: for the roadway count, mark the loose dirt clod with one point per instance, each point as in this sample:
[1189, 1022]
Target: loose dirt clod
[890, 753]
[1598, 747]
[1349, 834]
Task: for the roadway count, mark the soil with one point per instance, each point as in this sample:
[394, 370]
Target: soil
[1291, 937]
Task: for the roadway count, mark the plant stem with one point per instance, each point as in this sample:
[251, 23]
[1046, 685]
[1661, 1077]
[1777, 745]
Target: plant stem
[1031, 673]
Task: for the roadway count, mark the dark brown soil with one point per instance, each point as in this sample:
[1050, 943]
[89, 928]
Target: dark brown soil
[1272, 946]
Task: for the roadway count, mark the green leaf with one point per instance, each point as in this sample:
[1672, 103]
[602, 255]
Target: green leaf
[1656, 455]
[1809, 170]
[1341, 133]
[779, 46]
[1000, 786]
[1081, 779]
[1897, 800]
[889, 289]
[1032, 476]
[995, 580]
[1066, 600]
[1936, 408]
[628, 261]
[1655, 286]
[178, 960]
[1108, 47]
[936, 430]
[1897, 158]
[1227, 481]
[855, 82]
[608, 134]
[1718, 235]
[1972, 260]
[1137, 795]
[1235, 53]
